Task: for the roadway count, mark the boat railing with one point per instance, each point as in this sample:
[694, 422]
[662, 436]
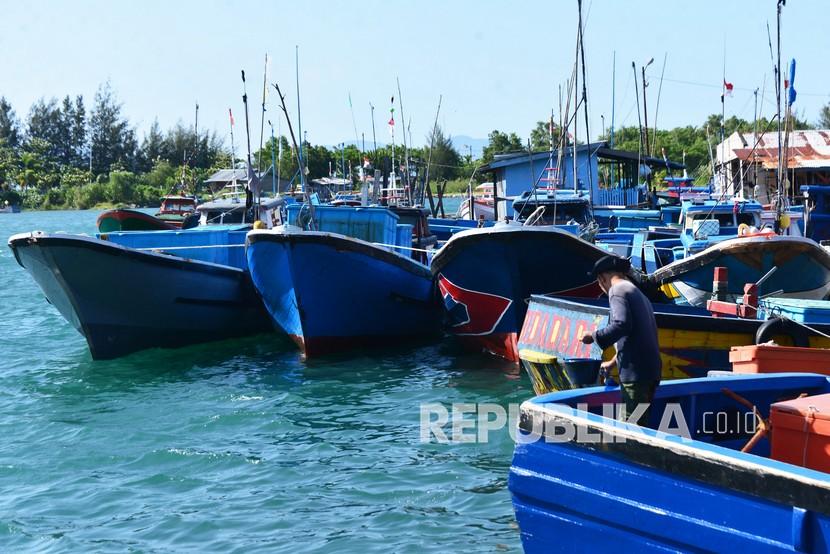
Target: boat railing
[194, 247]
[407, 248]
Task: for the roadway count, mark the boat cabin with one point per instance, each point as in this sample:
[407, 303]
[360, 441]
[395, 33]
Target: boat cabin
[177, 205]
[708, 221]
[557, 207]
[233, 210]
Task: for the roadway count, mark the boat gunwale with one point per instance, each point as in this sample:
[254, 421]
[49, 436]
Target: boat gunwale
[341, 242]
[736, 245]
[505, 232]
[667, 315]
[38, 238]
[713, 465]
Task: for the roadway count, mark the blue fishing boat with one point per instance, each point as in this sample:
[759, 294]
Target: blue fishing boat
[692, 341]
[485, 277]
[129, 291]
[351, 282]
[731, 235]
[703, 476]
[802, 269]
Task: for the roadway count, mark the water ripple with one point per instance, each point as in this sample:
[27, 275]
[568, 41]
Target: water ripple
[236, 446]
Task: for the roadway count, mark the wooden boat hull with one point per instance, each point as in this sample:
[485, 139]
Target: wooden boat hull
[123, 300]
[486, 275]
[609, 486]
[131, 220]
[692, 342]
[332, 293]
[803, 269]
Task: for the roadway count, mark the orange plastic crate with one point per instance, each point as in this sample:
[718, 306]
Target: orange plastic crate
[779, 359]
[801, 432]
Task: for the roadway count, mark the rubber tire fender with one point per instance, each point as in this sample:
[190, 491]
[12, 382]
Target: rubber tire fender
[782, 326]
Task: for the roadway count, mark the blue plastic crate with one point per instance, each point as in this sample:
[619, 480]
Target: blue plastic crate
[803, 311]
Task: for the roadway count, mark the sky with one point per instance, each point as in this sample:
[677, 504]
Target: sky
[495, 64]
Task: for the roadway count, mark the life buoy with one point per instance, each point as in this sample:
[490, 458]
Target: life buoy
[782, 326]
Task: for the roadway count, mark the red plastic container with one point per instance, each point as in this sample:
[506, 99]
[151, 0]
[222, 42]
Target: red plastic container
[779, 359]
[801, 432]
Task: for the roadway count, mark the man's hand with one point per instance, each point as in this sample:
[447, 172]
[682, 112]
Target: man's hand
[587, 338]
[609, 365]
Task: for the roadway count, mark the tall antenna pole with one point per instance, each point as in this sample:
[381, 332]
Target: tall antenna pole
[613, 109]
[576, 99]
[724, 180]
[233, 154]
[299, 117]
[253, 193]
[754, 138]
[374, 137]
[613, 98]
[645, 109]
[639, 120]
[273, 161]
[262, 119]
[781, 153]
[354, 123]
[657, 108]
[392, 126]
[585, 109]
[429, 163]
[196, 145]
[405, 146]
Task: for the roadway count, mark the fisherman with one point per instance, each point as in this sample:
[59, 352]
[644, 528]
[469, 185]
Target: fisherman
[633, 329]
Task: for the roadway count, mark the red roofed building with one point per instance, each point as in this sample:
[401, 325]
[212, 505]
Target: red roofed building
[751, 161]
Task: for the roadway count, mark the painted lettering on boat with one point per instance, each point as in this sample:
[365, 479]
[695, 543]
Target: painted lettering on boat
[557, 333]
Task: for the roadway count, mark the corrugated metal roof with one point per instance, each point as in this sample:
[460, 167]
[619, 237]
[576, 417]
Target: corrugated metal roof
[226, 175]
[805, 149]
[599, 149]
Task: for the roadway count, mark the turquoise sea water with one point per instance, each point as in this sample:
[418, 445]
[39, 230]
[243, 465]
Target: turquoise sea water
[238, 445]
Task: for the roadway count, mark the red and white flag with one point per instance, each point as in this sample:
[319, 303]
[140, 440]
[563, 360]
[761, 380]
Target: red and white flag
[727, 88]
[230, 113]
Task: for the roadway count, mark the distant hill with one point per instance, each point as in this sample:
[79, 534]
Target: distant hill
[462, 141]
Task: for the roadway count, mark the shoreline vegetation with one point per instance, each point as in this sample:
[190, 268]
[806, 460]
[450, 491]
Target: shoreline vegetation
[65, 156]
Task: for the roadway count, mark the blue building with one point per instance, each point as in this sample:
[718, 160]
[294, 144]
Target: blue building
[610, 177]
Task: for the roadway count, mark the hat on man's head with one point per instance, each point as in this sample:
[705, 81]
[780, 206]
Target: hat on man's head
[610, 263]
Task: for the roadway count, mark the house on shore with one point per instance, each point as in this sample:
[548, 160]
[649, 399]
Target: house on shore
[748, 162]
[227, 177]
[610, 177]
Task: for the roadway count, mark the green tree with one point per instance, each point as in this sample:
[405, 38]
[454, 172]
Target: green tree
[446, 161]
[45, 125]
[152, 147]
[540, 136]
[113, 139]
[501, 143]
[38, 169]
[823, 117]
[9, 126]
[73, 129]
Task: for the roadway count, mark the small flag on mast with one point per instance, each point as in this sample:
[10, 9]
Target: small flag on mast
[727, 88]
[230, 113]
[791, 93]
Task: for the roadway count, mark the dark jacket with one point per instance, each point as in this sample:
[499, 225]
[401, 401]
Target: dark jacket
[632, 327]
